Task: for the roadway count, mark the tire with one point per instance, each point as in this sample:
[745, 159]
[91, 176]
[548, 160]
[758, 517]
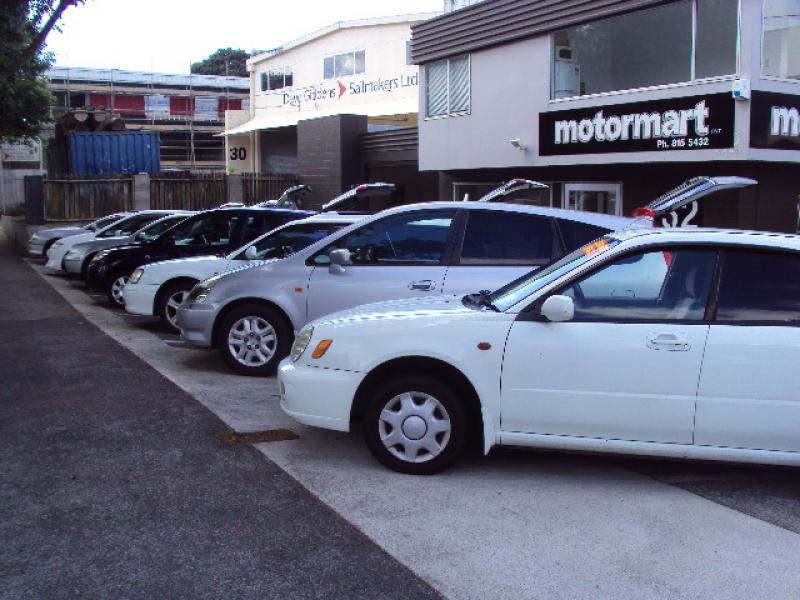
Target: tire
[241, 328]
[169, 297]
[413, 406]
[114, 291]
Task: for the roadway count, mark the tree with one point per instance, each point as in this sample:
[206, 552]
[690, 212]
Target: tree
[225, 61]
[24, 96]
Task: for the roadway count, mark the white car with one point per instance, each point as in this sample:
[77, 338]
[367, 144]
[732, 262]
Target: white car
[40, 242]
[157, 289]
[679, 343]
[122, 228]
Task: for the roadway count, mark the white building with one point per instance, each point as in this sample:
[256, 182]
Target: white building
[312, 100]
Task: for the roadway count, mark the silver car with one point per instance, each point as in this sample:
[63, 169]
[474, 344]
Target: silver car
[40, 242]
[80, 255]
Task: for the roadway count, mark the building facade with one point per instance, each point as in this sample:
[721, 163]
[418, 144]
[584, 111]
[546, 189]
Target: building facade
[187, 111]
[335, 108]
[613, 103]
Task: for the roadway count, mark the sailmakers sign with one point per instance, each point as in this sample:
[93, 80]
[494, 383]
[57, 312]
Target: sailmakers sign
[690, 123]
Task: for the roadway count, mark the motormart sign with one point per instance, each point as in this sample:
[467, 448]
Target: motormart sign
[688, 123]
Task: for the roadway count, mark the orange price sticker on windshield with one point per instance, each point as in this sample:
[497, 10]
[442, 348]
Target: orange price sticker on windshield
[595, 247]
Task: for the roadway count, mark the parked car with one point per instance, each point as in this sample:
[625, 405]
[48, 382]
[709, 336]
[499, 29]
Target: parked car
[119, 229]
[432, 249]
[157, 289]
[218, 231]
[77, 259]
[40, 242]
[601, 352]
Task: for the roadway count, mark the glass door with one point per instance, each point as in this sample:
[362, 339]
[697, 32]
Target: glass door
[594, 197]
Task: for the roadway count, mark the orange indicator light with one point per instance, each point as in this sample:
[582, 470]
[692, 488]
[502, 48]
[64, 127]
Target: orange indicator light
[595, 247]
[321, 348]
[298, 290]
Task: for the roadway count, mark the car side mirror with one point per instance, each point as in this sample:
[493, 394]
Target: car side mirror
[340, 259]
[118, 233]
[558, 309]
[139, 236]
[251, 253]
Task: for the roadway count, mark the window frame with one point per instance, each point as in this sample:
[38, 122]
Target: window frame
[456, 228]
[761, 73]
[449, 112]
[333, 57]
[718, 284]
[458, 261]
[532, 311]
[264, 76]
[693, 81]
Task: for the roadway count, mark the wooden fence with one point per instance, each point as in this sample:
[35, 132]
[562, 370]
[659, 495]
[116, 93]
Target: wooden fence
[86, 198]
[257, 188]
[187, 191]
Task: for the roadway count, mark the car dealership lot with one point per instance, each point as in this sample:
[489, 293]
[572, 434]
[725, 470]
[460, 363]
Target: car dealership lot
[516, 524]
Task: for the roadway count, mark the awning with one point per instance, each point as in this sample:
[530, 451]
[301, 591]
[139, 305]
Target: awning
[292, 116]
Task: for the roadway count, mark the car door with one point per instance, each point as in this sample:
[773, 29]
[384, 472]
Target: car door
[748, 395]
[497, 246]
[627, 365]
[399, 256]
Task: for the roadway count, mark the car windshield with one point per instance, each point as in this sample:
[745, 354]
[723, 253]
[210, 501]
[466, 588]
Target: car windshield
[153, 230]
[127, 226]
[511, 293]
[289, 240]
[104, 222]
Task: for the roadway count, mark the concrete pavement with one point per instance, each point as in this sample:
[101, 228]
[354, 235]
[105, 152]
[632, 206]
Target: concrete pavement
[517, 524]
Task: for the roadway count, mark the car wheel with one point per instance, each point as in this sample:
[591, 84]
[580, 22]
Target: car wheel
[416, 425]
[253, 338]
[169, 299]
[114, 293]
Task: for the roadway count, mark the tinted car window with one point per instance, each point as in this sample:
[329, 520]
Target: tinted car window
[759, 286]
[154, 230]
[496, 237]
[211, 230]
[577, 234]
[129, 226]
[656, 285]
[417, 238]
[290, 240]
[104, 222]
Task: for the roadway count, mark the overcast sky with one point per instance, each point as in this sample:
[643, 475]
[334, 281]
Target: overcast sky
[166, 35]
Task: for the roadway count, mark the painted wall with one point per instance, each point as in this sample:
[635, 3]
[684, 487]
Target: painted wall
[510, 86]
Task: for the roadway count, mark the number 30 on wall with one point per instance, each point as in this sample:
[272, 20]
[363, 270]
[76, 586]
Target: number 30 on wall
[239, 153]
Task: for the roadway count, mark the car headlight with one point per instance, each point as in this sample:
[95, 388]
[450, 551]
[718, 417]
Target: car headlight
[136, 275]
[72, 255]
[301, 342]
[101, 255]
[201, 291]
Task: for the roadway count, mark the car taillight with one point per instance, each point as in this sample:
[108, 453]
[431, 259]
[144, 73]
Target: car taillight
[644, 212]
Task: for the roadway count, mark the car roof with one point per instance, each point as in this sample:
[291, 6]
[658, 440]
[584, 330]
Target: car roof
[610, 222]
[703, 235]
[267, 209]
[330, 217]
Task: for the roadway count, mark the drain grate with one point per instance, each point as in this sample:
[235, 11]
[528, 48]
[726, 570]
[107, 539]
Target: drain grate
[256, 437]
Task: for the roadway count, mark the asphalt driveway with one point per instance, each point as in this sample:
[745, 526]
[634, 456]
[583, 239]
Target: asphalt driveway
[113, 485]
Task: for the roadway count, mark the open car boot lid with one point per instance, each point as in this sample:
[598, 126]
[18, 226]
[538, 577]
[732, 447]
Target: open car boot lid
[515, 185]
[689, 191]
[350, 197]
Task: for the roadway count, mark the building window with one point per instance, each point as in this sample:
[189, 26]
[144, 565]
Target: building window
[342, 65]
[276, 79]
[447, 86]
[630, 51]
[781, 41]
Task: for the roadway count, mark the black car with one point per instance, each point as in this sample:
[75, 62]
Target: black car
[217, 231]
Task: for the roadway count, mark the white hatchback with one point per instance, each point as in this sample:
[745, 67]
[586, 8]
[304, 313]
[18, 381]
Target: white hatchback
[674, 343]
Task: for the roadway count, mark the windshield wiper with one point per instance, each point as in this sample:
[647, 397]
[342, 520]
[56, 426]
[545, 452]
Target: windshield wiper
[482, 299]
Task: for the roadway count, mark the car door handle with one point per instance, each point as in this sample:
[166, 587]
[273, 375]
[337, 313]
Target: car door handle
[424, 285]
[668, 341]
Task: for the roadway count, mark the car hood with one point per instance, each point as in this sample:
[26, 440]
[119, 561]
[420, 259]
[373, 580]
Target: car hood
[449, 307]
[59, 232]
[209, 259]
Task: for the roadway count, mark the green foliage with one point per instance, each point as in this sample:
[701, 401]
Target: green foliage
[225, 61]
[24, 96]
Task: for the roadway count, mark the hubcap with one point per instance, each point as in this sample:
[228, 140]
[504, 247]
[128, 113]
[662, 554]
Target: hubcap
[116, 289]
[173, 302]
[252, 341]
[414, 427]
